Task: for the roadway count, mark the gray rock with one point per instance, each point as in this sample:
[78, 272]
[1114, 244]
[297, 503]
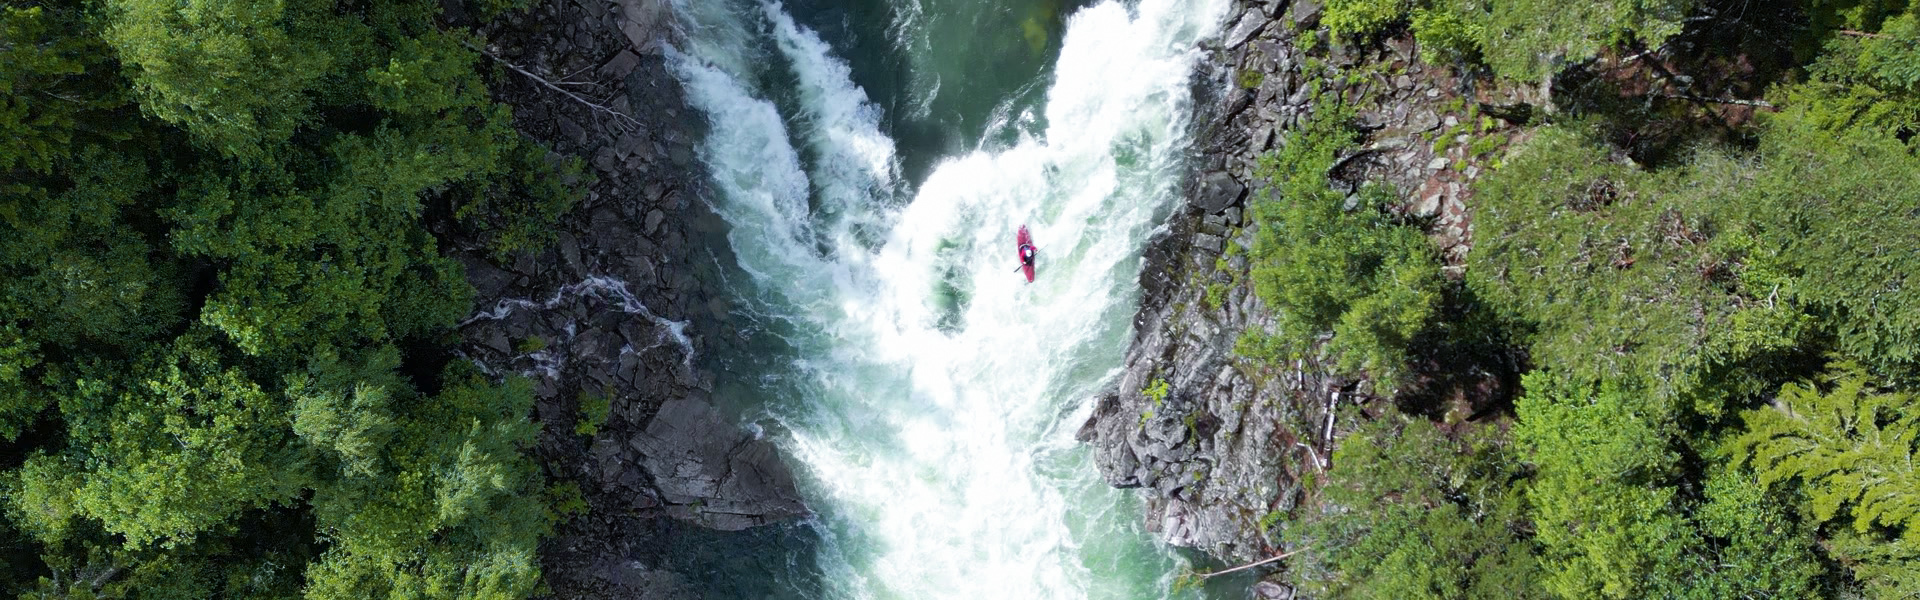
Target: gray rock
[1428, 205]
[641, 22]
[1250, 23]
[1268, 590]
[1306, 13]
[1299, 97]
[1218, 190]
[1343, 54]
[621, 64]
[606, 161]
[573, 131]
[727, 479]
[596, 8]
[1425, 120]
[1211, 243]
[1237, 101]
[631, 145]
[654, 217]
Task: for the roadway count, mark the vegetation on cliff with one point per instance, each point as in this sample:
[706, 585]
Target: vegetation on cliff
[225, 309]
[1332, 262]
[1719, 337]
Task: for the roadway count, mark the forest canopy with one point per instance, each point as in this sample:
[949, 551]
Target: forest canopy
[1717, 333]
[225, 313]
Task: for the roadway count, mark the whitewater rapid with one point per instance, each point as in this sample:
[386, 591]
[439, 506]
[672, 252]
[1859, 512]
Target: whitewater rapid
[925, 391]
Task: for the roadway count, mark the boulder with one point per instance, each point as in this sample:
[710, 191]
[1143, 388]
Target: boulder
[1218, 190]
[1268, 590]
[713, 471]
[643, 22]
[1306, 13]
[1250, 24]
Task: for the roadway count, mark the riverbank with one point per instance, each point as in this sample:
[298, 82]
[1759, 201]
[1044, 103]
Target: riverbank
[611, 322]
[1223, 447]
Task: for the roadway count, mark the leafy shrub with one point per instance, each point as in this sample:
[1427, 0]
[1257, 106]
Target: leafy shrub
[1418, 516]
[594, 409]
[1369, 282]
[1361, 17]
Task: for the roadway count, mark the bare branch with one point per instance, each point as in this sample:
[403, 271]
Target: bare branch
[1252, 564]
[550, 85]
[102, 578]
[1734, 101]
[1317, 462]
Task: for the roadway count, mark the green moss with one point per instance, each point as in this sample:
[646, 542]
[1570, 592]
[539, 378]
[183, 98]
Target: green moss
[1252, 78]
[531, 345]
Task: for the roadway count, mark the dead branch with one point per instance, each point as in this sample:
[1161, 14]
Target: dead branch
[1333, 401]
[1733, 101]
[1318, 464]
[1864, 34]
[550, 85]
[1252, 564]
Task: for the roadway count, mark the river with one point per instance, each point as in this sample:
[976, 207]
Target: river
[873, 160]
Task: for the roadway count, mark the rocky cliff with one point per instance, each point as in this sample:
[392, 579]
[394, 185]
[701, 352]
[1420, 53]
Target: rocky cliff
[1219, 444]
[616, 311]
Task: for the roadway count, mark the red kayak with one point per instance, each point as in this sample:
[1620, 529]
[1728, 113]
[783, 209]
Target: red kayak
[1026, 253]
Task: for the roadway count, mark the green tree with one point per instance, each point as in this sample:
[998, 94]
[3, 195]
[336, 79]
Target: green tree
[176, 448]
[1533, 39]
[1851, 449]
[1607, 519]
[1415, 514]
[214, 242]
[1332, 264]
[229, 71]
[456, 513]
[1522, 39]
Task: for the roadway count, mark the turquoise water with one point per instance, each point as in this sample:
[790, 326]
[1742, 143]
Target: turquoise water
[873, 161]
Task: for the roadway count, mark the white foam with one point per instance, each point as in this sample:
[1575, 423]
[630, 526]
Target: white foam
[934, 455]
[608, 289]
[856, 161]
